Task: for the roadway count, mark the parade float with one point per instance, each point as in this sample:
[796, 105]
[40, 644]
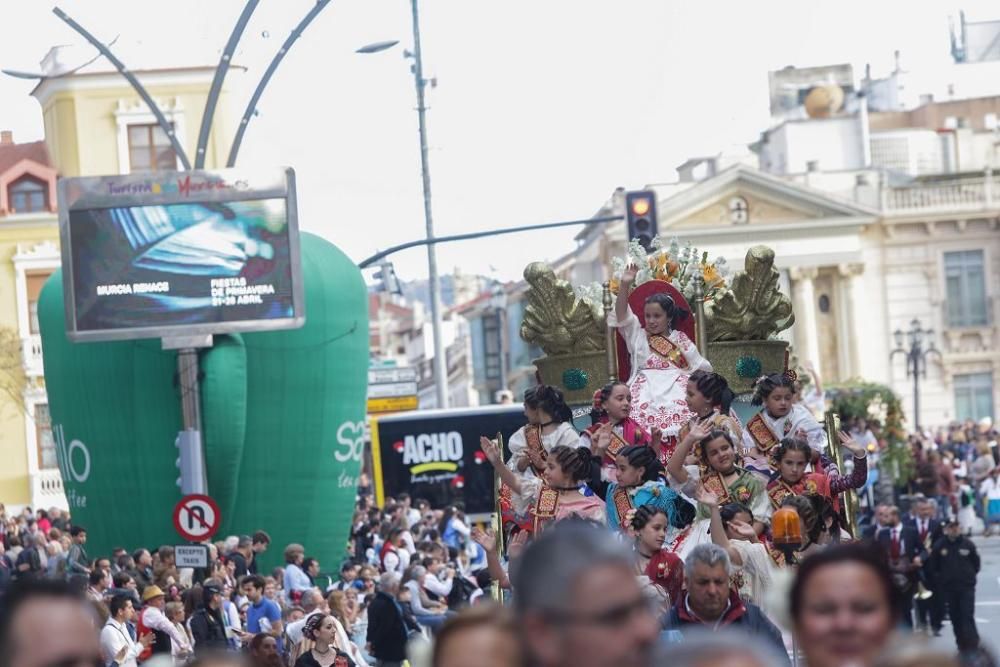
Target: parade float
[734, 322]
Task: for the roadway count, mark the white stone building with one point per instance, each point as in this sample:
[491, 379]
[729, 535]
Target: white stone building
[865, 246]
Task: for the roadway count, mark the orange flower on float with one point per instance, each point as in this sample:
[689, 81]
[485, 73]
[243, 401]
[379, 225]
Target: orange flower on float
[711, 275]
[613, 283]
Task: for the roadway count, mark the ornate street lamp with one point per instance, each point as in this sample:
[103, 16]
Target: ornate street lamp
[916, 358]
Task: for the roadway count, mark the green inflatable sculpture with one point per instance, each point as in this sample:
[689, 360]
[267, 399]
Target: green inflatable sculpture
[283, 422]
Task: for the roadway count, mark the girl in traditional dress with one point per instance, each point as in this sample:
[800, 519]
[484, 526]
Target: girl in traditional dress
[638, 483]
[558, 494]
[662, 358]
[710, 399]
[550, 424]
[731, 527]
[610, 413]
[779, 418]
[718, 473]
[792, 457]
[662, 569]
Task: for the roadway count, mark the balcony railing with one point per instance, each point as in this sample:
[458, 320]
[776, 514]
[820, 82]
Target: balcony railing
[963, 194]
[47, 489]
[31, 350]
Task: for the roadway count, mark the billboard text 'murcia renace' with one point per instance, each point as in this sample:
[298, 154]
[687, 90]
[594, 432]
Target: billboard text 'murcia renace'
[181, 263]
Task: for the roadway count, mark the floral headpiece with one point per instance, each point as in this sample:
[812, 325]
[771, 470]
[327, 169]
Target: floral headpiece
[791, 375]
[598, 401]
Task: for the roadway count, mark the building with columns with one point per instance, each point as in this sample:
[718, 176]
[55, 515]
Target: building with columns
[862, 252]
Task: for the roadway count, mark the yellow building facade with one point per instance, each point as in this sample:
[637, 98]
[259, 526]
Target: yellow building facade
[95, 124]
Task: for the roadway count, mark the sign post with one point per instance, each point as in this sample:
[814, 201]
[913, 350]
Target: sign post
[392, 389]
[191, 555]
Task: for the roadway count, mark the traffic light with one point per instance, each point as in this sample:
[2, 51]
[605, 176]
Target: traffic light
[386, 277]
[191, 463]
[640, 215]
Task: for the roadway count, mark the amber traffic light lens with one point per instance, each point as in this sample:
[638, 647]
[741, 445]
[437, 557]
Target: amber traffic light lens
[640, 206]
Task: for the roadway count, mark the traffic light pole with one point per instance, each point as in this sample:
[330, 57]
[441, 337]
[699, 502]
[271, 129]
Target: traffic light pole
[382, 254]
[191, 453]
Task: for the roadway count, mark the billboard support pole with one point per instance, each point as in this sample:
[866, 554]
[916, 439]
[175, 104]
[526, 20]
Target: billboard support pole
[193, 477]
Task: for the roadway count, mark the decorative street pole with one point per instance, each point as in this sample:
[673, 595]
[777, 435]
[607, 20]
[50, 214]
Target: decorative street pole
[188, 375]
[916, 359]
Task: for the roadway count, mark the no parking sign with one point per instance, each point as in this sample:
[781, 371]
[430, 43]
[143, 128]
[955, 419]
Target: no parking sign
[197, 517]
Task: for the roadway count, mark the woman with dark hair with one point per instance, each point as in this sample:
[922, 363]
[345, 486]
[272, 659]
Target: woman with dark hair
[321, 629]
[639, 483]
[613, 426]
[719, 473]
[709, 397]
[844, 607]
[663, 569]
[560, 493]
[662, 357]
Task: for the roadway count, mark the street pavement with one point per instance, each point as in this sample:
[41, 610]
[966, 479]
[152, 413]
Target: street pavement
[987, 599]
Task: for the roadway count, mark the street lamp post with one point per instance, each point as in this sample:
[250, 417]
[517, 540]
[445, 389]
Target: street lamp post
[916, 359]
[440, 363]
[434, 283]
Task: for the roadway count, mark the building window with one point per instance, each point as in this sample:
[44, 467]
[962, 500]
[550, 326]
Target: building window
[46, 443]
[28, 196]
[965, 279]
[491, 344]
[35, 282]
[149, 149]
[974, 396]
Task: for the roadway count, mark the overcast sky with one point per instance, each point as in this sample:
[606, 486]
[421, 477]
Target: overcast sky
[542, 107]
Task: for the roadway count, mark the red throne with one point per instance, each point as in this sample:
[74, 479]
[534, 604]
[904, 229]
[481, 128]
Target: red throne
[637, 302]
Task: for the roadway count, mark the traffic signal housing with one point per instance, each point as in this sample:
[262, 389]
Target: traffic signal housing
[640, 216]
[190, 463]
[386, 278]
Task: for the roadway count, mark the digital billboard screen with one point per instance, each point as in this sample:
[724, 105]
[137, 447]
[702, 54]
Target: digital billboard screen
[184, 253]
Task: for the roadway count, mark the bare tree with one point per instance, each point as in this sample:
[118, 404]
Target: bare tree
[12, 379]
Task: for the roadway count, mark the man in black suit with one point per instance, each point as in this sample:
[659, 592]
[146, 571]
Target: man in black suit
[870, 532]
[388, 630]
[930, 612]
[906, 555]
